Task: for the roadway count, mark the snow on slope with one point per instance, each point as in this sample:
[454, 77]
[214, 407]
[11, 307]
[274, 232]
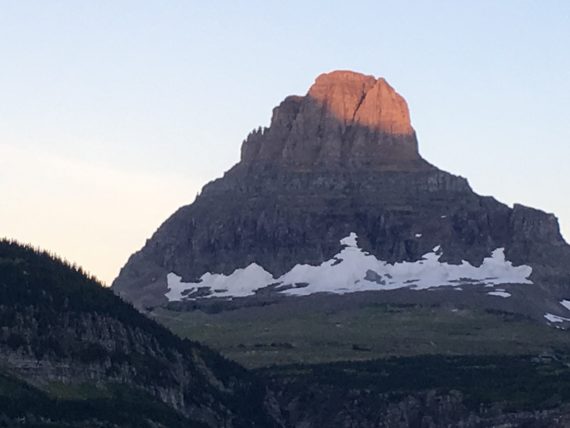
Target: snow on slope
[499, 293]
[350, 271]
[555, 318]
[552, 318]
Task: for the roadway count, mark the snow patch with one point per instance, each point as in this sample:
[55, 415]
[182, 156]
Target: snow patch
[555, 318]
[350, 240]
[499, 293]
[565, 303]
[353, 270]
[240, 283]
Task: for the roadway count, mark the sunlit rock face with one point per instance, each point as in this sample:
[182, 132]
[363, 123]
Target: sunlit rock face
[346, 120]
[355, 99]
[341, 159]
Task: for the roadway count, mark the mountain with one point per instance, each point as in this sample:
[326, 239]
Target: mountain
[360, 285]
[335, 198]
[73, 354]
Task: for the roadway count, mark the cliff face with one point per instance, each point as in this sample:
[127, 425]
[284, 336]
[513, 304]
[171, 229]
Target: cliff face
[342, 159]
[431, 392]
[346, 120]
[332, 407]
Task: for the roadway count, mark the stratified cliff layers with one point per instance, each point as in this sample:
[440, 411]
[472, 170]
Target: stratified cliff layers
[343, 161]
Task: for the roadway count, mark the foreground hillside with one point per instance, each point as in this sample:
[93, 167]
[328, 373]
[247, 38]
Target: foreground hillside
[73, 354]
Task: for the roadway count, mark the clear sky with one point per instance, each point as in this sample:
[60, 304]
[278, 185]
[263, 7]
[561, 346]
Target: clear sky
[113, 113]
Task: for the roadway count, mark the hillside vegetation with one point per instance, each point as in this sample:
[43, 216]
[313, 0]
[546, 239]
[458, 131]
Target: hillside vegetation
[74, 349]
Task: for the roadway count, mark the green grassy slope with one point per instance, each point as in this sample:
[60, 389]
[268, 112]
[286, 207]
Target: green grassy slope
[264, 336]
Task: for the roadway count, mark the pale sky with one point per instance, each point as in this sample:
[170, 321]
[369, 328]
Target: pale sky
[115, 113]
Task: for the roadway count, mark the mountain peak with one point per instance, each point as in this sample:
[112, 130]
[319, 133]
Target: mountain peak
[357, 99]
[346, 120]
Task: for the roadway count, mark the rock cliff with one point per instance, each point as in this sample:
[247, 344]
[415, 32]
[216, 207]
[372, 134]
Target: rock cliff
[346, 120]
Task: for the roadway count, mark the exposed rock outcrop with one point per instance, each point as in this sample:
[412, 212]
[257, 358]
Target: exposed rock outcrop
[347, 120]
[376, 394]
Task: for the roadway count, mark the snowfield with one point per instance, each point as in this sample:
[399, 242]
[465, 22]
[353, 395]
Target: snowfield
[353, 270]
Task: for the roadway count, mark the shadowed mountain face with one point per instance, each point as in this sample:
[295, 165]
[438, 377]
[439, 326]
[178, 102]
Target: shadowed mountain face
[342, 159]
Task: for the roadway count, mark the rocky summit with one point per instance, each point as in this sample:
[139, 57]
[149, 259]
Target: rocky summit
[346, 120]
[334, 198]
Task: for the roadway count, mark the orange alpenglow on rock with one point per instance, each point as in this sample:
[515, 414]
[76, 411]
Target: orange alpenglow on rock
[346, 120]
[354, 98]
